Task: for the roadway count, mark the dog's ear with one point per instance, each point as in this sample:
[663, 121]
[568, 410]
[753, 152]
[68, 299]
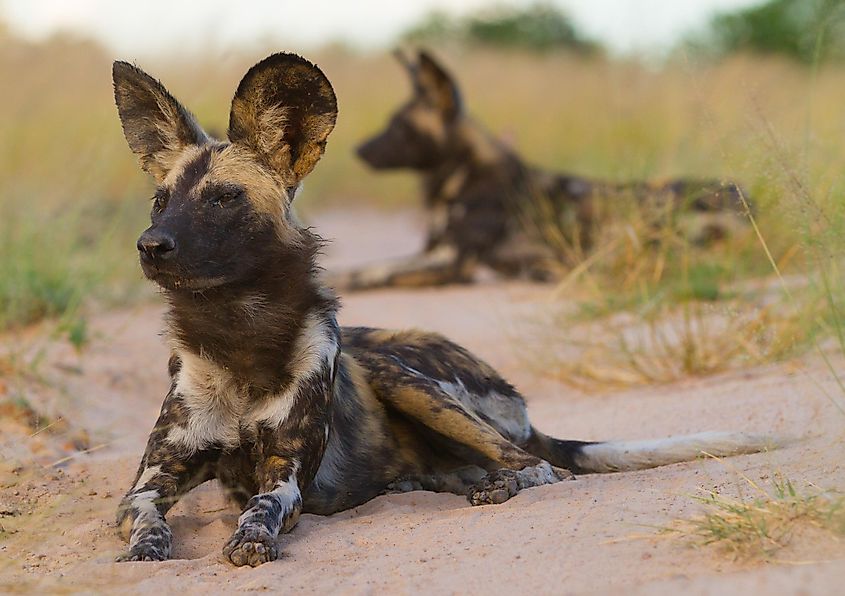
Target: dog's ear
[437, 85]
[283, 111]
[407, 63]
[156, 126]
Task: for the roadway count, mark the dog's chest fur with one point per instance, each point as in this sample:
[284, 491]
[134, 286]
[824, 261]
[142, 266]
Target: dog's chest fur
[224, 411]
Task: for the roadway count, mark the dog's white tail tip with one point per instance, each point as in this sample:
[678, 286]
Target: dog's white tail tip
[621, 456]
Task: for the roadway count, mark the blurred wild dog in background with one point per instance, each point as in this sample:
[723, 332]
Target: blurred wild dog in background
[479, 194]
[268, 395]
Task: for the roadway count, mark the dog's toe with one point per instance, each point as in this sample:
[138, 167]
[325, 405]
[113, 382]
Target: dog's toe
[497, 487]
[251, 546]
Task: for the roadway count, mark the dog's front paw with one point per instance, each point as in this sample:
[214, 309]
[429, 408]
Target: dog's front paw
[152, 547]
[251, 545]
[497, 487]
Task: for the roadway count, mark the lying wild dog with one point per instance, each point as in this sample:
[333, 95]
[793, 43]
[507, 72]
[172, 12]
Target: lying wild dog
[268, 395]
[477, 192]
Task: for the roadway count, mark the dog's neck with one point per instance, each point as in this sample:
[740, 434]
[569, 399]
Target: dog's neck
[471, 152]
[252, 329]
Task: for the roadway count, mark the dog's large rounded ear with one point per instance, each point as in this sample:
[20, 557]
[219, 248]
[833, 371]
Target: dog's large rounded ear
[438, 86]
[156, 126]
[284, 110]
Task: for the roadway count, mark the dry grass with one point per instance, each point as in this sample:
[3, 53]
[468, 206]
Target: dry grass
[647, 250]
[655, 306]
[673, 342]
[759, 525]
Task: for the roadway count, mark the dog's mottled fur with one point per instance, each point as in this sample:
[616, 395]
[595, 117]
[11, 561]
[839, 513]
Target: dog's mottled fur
[479, 193]
[289, 412]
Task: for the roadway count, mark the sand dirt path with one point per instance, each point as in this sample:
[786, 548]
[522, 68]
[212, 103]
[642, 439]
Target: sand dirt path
[593, 535]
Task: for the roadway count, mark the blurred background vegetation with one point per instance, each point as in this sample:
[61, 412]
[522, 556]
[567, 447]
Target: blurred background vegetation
[539, 27]
[757, 95]
[808, 31]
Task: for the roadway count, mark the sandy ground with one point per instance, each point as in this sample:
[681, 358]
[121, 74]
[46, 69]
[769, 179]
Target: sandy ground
[593, 535]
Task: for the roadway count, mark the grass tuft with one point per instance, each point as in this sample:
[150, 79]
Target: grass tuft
[656, 304]
[666, 343]
[759, 526]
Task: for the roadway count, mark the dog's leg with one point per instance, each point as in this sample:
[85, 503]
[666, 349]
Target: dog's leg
[521, 256]
[167, 472]
[288, 456]
[437, 267]
[510, 468]
[285, 472]
[275, 509]
[457, 481]
[500, 485]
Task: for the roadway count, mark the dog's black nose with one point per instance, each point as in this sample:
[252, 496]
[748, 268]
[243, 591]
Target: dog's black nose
[365, 151]
[157, 245]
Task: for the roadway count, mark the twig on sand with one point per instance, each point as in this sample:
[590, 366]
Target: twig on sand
[64, 460]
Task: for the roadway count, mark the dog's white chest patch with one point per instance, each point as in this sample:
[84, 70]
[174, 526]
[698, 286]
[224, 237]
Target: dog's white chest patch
[214, 402]
[219, 410]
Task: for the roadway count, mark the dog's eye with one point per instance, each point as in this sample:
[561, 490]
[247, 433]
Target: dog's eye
[159, 202]
[407, 131]
[224, 197]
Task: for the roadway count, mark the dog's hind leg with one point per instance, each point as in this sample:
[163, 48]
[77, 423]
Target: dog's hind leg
[509, 468]
[436, 267]
[458, 481]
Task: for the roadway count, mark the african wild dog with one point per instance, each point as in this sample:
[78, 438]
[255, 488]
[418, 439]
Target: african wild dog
[268, 395]
[477, 192]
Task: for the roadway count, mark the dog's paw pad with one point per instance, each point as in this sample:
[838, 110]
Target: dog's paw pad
[251, 546]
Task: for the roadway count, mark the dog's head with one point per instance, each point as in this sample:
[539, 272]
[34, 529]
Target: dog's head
[419, 134]
[221, 211]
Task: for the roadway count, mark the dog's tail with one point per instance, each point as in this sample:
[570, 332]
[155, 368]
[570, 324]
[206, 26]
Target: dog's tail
[581, 457]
